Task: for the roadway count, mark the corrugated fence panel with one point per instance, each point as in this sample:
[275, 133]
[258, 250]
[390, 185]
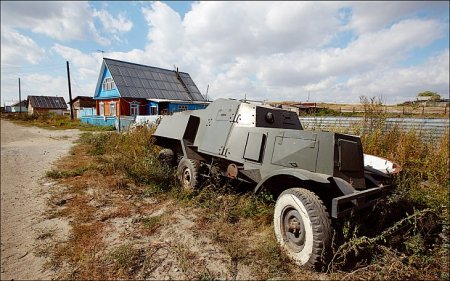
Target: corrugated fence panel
[430, 127]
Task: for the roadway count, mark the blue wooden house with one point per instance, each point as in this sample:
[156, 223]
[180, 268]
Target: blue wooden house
[129, 89]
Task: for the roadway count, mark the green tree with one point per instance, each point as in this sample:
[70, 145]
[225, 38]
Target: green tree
[433, 95]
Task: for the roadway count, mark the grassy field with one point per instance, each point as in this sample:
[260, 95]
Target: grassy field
[390, 110]
[130, 220]
[361, 109]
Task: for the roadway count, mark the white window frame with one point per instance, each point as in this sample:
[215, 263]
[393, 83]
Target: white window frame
[108, 84]
[134, 108]
[153, 110]
[111, 106]
[101, 108]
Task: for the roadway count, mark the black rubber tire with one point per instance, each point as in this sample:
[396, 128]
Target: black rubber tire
[188, 174]
[303, 227]
[167, 157]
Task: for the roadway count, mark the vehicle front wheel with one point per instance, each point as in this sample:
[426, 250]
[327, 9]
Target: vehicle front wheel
[302, 227]
[188, 173]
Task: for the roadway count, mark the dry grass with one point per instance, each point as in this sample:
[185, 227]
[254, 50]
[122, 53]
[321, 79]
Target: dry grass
[139, 225]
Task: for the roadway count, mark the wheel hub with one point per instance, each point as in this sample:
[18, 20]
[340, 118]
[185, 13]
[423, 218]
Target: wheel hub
[293, 229]
[186, 178]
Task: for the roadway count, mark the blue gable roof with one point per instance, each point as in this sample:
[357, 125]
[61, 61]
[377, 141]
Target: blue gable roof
[101, 93]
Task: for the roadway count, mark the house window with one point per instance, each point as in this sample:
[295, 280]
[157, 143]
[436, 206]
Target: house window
[108, 84]
[153, 110]
[102, 109]
[134, 108]
[112, 109]
[182, 108]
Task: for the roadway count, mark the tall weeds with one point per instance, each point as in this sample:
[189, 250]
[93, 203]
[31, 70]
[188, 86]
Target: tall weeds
[404, 236]
[410, 227]
[132, 154]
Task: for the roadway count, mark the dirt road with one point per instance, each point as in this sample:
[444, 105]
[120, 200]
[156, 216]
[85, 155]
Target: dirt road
[26, 154]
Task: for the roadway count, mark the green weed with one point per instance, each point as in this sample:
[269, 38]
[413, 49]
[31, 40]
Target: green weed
[55, 174]
[126, 259]
[151, 223]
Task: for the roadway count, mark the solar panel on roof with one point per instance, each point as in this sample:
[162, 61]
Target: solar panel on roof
[164, 77]
[192, 89]
[133, 72]
[166, 94]
[48, 102]
[118, 79]
[158, 93]
[113, 69]
[145, 83]
[179, 96]
[124, 91]
[137, 82]
[156, 76]
[148, 75]
[141, 74]
[173, 87]
[153, 82]
[128, 81]
[142, 92]
[150, 92]
[180, 87]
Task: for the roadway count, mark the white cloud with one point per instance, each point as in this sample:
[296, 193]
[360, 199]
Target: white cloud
[224, 30]
[113, 24]
[279, 50]
[165, 35]
[59, 20]
[34, 84]
[87, 65]
[368, 16]
[399, 84]
[273, 50]
[17, 48]
[64, 21]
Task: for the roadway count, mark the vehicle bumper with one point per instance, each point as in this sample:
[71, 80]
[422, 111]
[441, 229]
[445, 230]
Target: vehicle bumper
[343, 205]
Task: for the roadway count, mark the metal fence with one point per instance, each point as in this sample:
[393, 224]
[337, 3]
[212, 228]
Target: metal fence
[433, 128]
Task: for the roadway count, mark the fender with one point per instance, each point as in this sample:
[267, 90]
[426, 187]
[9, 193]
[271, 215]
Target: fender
[301, 174]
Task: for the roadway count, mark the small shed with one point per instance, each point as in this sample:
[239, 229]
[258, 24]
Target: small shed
[83, 106]
[19, 106]
[46, 104]
[15, 106]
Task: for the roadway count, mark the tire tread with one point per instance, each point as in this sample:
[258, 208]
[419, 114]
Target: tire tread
[321, 225]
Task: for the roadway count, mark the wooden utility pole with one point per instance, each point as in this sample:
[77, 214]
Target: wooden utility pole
[20, 99]
[70, 91]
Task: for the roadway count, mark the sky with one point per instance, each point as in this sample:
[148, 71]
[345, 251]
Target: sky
[277, 51]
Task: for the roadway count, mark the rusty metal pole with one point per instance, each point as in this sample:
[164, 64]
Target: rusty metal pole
[70, 91]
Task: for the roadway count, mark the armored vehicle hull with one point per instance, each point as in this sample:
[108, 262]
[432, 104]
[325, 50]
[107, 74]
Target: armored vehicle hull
[312, 174]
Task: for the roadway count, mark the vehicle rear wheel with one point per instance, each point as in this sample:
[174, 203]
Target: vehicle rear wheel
[302, 227]
[188, 172]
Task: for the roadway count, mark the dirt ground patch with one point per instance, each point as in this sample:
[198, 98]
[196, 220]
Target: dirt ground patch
[123, 229]
[26, 154]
